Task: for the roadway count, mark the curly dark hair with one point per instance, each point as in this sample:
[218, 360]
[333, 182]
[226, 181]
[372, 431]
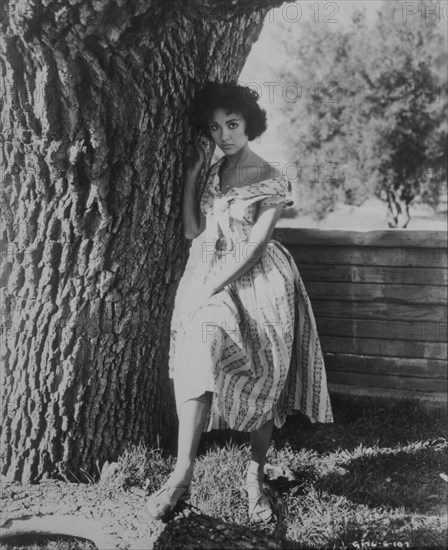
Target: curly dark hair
[231, 97]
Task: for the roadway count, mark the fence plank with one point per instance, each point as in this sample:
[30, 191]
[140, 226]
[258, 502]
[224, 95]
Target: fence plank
[382, 238]
[380, 274]
[387, 381]
[417, 331]
[383, 347]
[369, 256]
[370, 292]
[426, 368]
[379, 310]
[436, 399]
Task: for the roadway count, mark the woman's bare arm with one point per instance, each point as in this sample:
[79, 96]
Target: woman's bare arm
[250, 252]
[194, 219]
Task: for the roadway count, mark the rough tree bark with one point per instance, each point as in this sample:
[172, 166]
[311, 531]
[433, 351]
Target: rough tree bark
[93, 126]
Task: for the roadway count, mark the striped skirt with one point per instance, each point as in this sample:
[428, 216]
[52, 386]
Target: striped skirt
[254, 345]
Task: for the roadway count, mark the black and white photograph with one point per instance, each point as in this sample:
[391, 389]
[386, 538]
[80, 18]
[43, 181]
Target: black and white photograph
[223, 274]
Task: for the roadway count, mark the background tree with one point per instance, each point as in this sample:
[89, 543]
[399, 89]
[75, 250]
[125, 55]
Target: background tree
[94, 138]
[370, 121]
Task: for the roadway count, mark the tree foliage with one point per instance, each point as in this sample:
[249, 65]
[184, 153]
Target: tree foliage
[371, 119]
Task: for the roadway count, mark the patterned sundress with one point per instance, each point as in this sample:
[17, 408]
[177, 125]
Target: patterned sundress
[254, 344]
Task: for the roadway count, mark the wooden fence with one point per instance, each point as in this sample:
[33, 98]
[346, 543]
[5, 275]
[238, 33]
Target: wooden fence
[380, 302]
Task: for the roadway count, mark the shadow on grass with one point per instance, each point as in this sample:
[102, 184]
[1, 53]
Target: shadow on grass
[408, 479]
[364, 421]
[191, 530]
[388, 453]
[398, 451]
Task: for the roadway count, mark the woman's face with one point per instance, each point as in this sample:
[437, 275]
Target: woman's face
[228, 131]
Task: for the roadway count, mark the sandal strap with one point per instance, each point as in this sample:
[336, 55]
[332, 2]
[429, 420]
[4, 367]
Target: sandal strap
[162, 499]
[261, 499]
[167, 488]
[261, 513]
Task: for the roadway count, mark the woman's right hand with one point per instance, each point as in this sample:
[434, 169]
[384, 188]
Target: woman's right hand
[196, 160]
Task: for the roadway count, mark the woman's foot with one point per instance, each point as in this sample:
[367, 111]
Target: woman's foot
[260, 509]
[163, 501]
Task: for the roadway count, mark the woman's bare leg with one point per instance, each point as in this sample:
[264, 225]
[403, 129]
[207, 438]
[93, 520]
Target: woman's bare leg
[260, 441]
[193, 414]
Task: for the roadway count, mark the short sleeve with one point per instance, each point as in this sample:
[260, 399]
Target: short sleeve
[275, 200]
[281, 194]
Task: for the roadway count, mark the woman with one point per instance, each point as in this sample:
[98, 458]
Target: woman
[246, 353]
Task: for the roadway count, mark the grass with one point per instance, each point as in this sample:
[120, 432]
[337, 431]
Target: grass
[372, 477]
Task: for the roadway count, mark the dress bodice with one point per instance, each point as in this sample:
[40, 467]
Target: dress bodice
[230, 216]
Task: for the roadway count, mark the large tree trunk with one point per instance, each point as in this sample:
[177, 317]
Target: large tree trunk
[94, 126]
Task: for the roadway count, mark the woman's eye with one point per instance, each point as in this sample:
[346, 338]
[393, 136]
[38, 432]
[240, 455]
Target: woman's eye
[233, 125]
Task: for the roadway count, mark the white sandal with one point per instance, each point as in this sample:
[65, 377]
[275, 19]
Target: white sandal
[161, 503]
[262, 510]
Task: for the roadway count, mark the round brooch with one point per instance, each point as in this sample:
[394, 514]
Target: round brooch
[222, 244]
